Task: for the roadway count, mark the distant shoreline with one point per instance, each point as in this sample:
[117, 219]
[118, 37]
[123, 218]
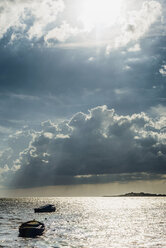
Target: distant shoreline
[141, 194]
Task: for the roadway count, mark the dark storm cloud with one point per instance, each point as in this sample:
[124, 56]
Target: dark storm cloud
[98, 143]
[64, 81]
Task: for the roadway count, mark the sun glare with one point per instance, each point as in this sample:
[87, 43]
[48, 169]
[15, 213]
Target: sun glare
[98, 13]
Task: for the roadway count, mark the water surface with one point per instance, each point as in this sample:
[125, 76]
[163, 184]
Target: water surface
[87, 222]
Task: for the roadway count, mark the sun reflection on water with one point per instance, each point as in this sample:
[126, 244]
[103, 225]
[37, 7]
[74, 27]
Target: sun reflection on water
[87, 222]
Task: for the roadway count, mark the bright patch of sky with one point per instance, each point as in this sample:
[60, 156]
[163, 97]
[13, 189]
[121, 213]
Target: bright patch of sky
[112, 23]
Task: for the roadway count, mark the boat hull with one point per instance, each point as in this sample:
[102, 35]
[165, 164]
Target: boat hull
[31, 230]
[45, 209]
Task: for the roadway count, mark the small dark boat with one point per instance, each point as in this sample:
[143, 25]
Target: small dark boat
[31, 228]
[46, 208]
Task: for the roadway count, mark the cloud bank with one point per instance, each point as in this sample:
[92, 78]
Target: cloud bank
[98, 144]
[46, 22]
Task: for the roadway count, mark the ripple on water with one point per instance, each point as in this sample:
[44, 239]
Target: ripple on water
[87, 222]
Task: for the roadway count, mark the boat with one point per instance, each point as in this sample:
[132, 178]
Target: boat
[31, 228]
[45, 208]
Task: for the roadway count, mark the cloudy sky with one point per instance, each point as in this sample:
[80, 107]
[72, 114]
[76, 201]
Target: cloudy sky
[83, 94]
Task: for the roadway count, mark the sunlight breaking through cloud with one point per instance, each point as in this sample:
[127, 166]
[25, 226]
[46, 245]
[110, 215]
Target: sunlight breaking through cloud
[103, 22]
[98, 143]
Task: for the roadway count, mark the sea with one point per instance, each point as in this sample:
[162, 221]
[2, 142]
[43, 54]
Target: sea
[87, 222]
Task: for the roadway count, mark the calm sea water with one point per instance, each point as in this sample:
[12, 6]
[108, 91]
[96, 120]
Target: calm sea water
[90, 222]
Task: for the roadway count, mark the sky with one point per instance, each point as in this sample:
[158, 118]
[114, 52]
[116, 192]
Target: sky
[82, 96]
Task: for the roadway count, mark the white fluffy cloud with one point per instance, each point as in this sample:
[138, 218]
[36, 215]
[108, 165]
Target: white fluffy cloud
[44, 13]
[10, 15]
[98, 143]
[162, 70]
[41, 19]
[136, 24]
[34, 16]
[61, 33]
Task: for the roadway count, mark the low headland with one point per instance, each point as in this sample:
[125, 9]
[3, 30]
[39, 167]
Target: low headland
[140, 194]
